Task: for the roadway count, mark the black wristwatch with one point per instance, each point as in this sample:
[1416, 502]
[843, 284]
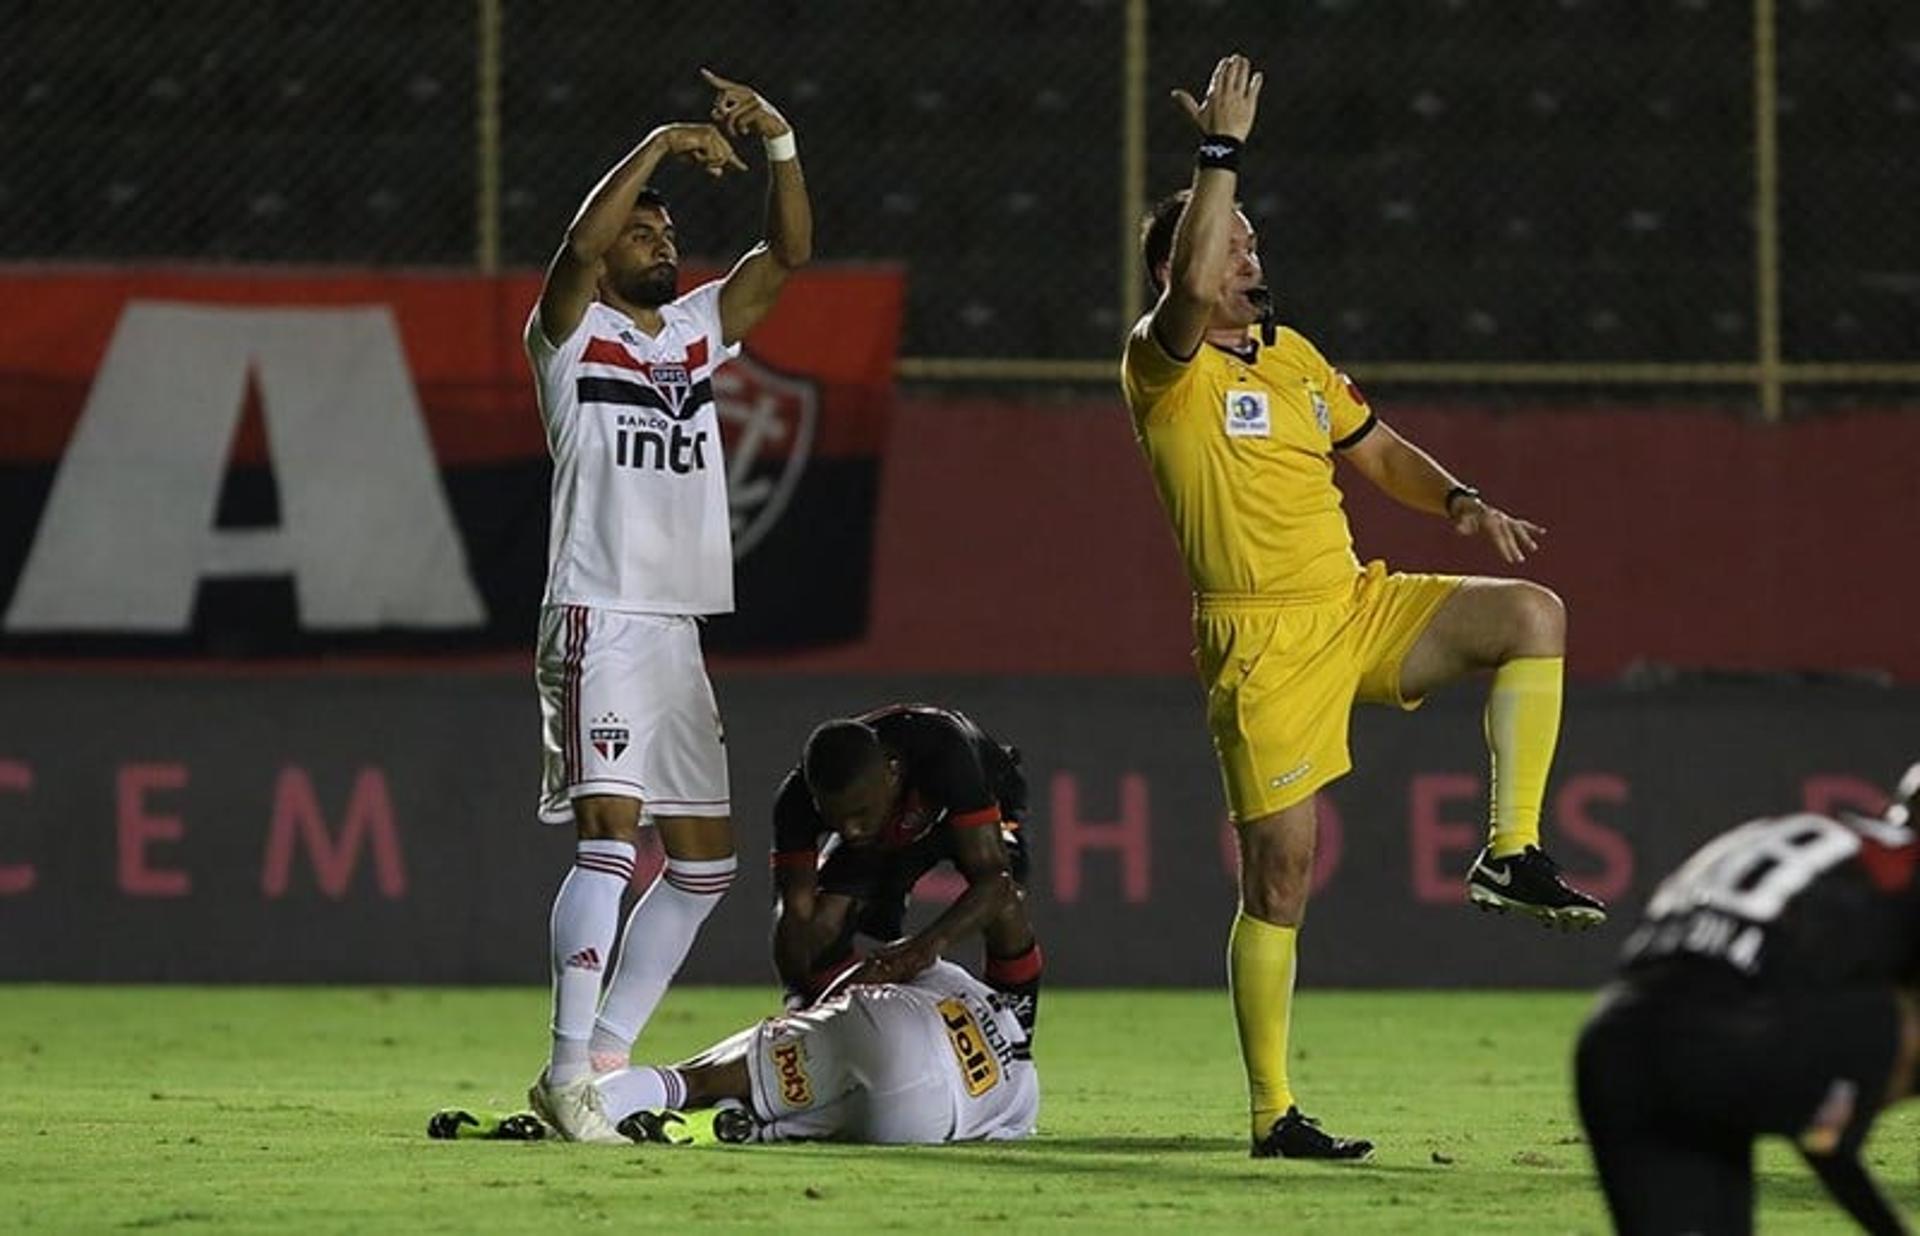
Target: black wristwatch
[1459, 491]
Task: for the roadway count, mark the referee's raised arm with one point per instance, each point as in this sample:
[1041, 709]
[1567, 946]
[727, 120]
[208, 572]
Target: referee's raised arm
[1197, 268]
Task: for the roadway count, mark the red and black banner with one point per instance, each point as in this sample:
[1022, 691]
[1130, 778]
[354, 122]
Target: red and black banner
[242, 463]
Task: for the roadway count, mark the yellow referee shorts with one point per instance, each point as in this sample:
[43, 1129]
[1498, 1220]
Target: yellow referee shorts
[1282, 677]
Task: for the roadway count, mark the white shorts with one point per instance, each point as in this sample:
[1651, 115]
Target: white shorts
[626, 709]
[863, 1067]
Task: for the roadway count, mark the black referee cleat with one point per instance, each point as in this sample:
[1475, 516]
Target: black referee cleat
[1295, 1136]
[1531, 883]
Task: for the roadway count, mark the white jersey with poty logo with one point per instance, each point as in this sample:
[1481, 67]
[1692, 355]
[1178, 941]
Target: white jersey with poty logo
[640, 518]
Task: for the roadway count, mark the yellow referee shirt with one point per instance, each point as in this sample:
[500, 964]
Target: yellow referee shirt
[1241, 449]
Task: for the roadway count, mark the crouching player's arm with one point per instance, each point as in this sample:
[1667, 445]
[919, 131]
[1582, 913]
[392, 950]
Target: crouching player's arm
[1847, 1180]
[812, 930]
[993, 906]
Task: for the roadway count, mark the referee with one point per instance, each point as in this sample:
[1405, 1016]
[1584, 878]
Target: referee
[1240, 422]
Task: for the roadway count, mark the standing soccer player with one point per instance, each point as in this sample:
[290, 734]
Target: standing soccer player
[1240, 428]
[640, 546]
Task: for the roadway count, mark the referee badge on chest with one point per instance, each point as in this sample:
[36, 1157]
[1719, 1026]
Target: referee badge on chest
[1321, 415]
[1247, 415]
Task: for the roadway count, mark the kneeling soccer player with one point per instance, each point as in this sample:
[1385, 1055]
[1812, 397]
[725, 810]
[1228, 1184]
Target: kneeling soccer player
[1769, 991]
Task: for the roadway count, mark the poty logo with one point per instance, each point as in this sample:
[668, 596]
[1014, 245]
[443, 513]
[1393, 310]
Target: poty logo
[795, 1087]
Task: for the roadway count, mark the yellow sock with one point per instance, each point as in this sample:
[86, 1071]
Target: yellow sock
[1260, 970]
[1523, 726]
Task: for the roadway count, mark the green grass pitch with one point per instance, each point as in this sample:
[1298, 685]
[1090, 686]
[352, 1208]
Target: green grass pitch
[200, 1109]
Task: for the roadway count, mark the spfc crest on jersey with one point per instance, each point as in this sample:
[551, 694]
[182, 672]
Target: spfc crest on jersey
[767, 421]
[673, 385]
[609, 736]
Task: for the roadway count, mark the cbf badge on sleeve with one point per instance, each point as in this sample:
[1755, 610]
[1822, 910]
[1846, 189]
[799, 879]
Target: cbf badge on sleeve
[1247, 415]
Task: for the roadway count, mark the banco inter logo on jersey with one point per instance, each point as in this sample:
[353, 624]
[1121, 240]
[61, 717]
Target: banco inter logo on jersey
[659, 445]
[652, 402]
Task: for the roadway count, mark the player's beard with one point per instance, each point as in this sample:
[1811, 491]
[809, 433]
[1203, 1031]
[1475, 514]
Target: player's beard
[649, 286]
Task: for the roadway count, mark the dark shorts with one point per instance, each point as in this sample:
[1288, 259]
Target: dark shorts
[1674, 1085]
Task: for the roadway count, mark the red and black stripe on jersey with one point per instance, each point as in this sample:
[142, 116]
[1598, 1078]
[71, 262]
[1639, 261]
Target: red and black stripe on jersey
[646, 392]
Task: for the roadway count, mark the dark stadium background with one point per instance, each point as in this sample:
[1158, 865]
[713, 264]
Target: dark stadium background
[1644, 270]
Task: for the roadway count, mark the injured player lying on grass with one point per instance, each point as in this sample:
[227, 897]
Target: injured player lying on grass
[940, 1057]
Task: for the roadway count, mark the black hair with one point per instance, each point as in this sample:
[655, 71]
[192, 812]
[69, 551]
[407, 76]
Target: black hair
[650, 199]
[838, 754]
[1156, 233]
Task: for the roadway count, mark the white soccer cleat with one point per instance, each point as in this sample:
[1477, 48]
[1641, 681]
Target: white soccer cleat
[574, 1110]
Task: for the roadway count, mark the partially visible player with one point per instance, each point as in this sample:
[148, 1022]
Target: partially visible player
[938, 1057]
[640, 547]
[875, 803]
[1770, 990]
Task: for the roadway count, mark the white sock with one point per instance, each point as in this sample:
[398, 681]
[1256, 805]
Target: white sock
[586, 912]
[626, 1091]
[659, 932]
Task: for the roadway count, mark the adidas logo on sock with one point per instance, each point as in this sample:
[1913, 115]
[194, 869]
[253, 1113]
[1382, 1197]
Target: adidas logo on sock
[585, 959]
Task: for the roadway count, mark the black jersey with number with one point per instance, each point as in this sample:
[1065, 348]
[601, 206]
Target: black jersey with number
[953, 775]
[1794, 902]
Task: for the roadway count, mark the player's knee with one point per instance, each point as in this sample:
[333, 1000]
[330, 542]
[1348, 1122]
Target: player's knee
[603, 817]
[1276, 890]
[1537, 618]
[698, 838]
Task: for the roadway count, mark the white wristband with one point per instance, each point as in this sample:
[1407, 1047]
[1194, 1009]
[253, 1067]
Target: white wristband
[780, 149]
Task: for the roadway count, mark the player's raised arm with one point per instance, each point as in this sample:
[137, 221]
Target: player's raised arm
[573, 274]
[1197, 270]
[755, 281]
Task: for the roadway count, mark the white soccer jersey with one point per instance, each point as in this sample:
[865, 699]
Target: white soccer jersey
[935, 1059]
[995, 1090]
[640, 519]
